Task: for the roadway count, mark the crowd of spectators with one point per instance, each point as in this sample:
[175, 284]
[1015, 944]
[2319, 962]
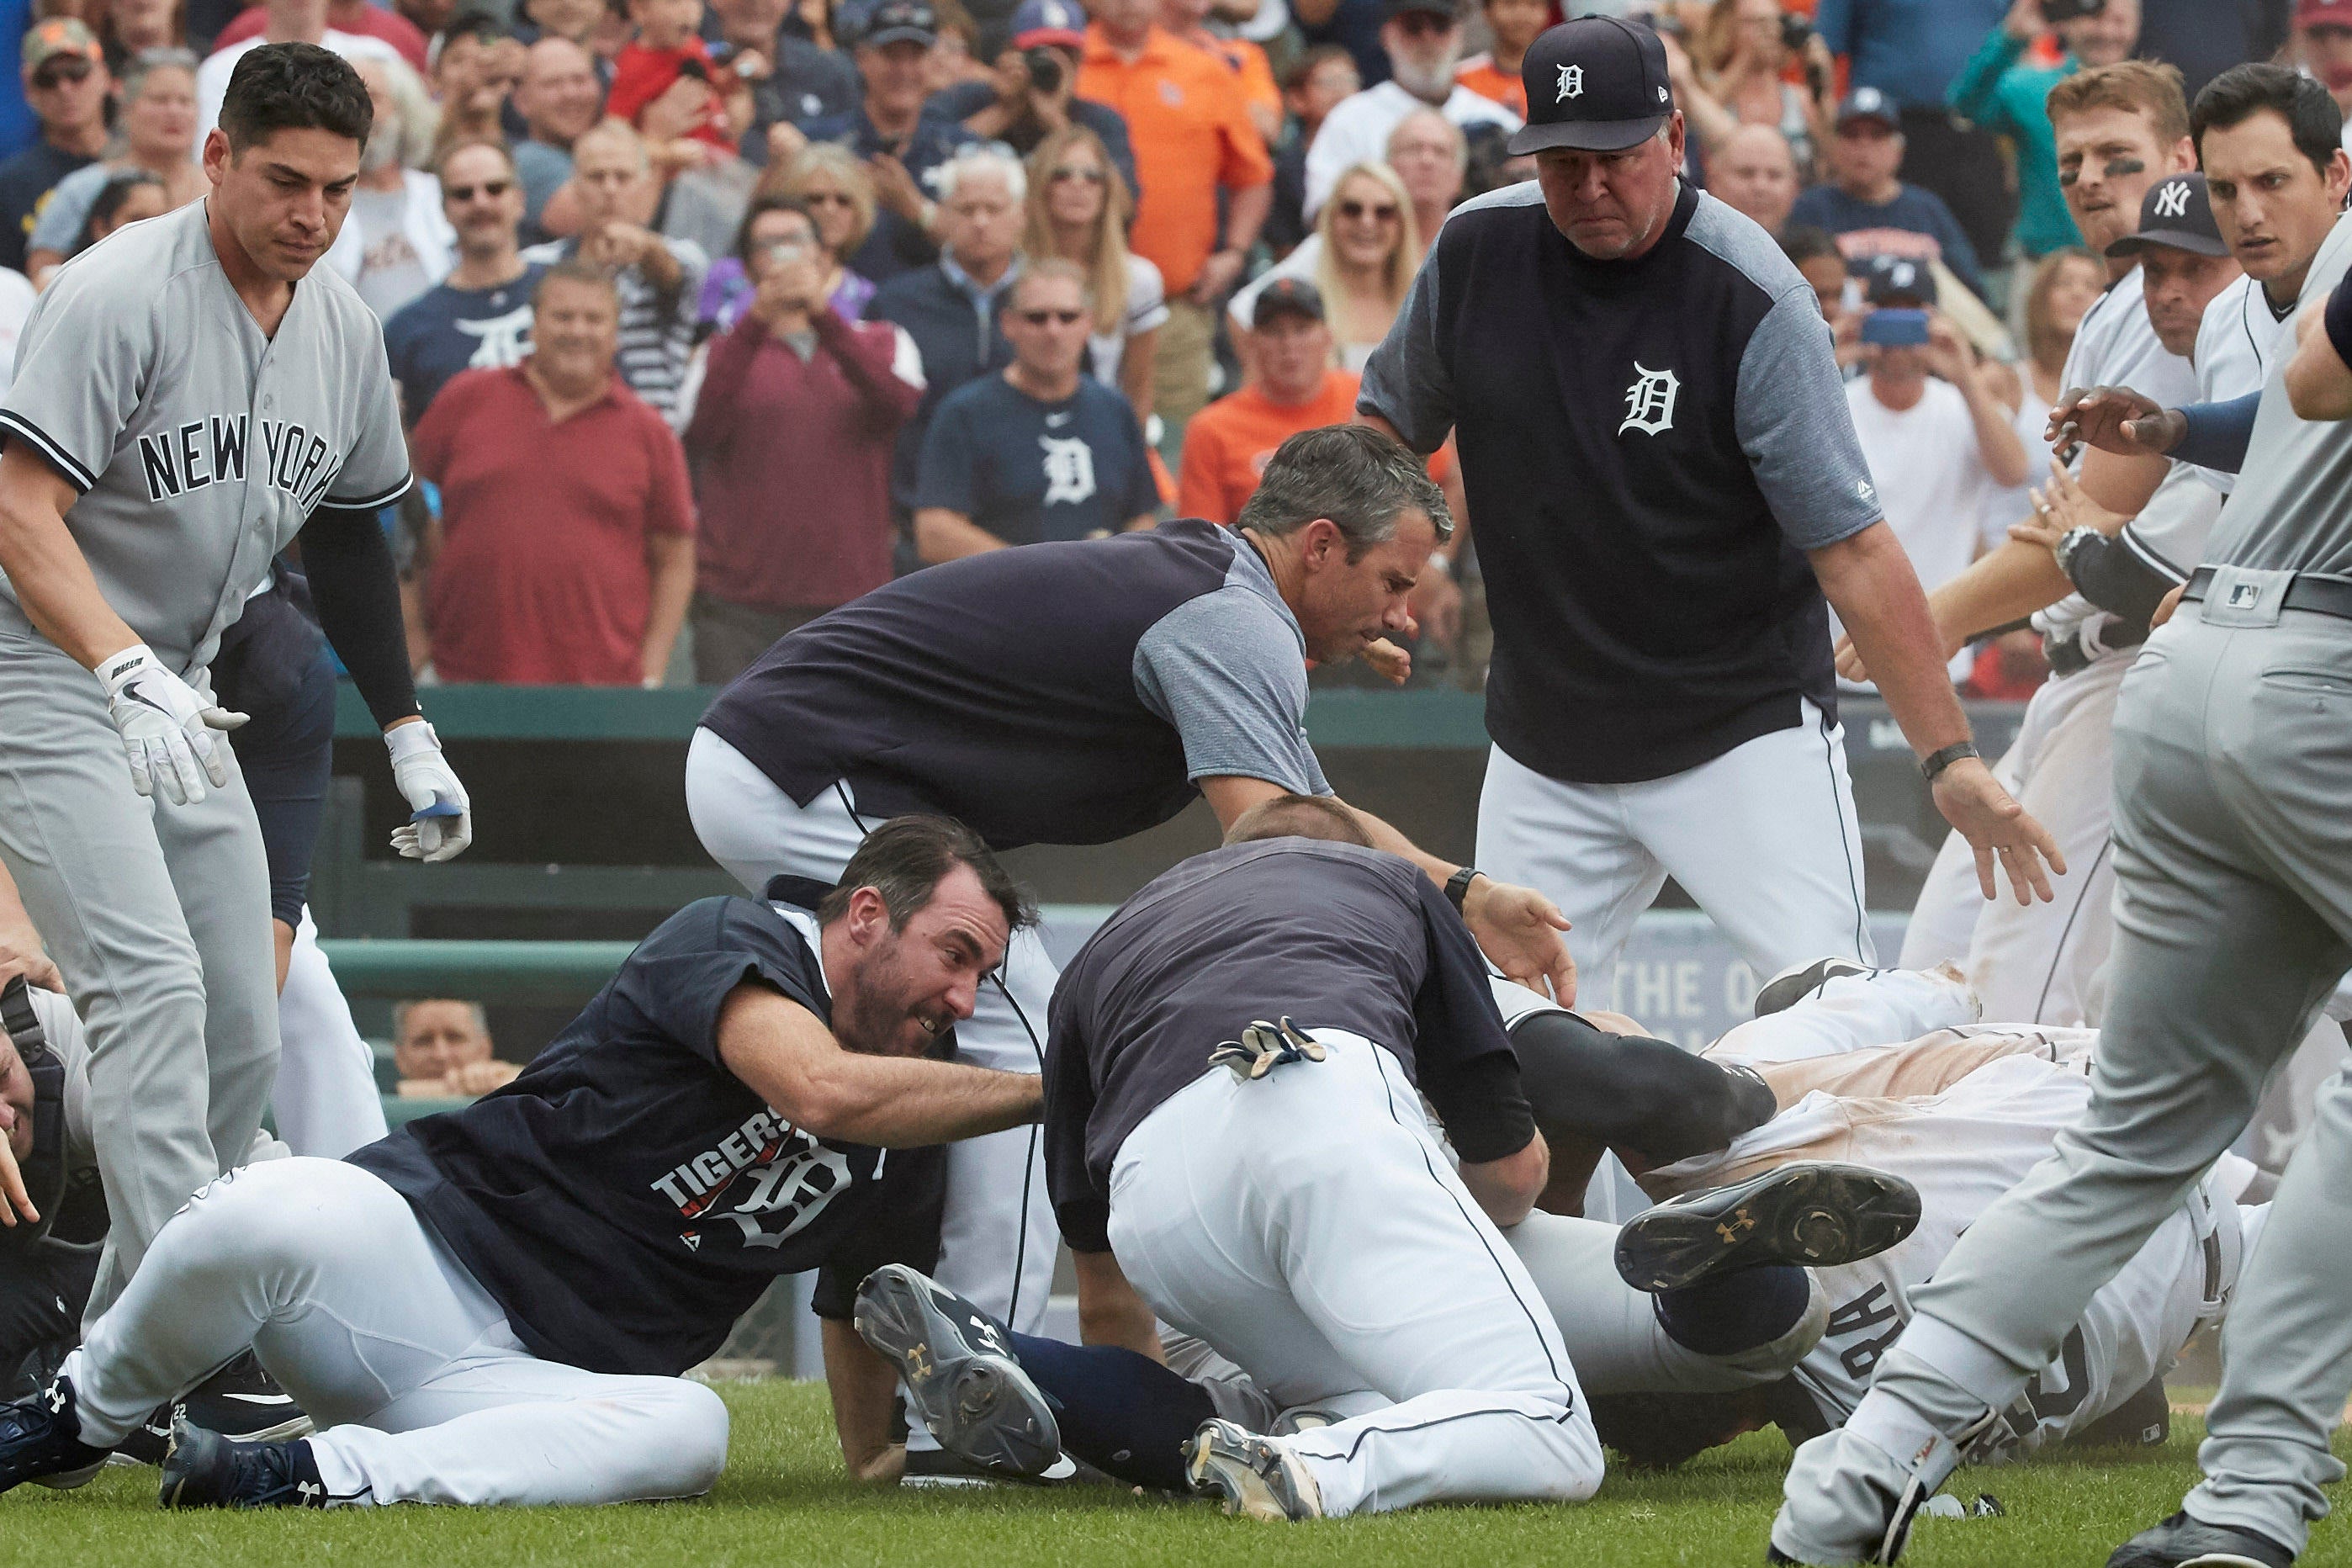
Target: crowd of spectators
[710, 315]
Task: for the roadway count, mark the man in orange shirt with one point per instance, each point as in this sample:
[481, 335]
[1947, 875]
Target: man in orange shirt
[1191, 127]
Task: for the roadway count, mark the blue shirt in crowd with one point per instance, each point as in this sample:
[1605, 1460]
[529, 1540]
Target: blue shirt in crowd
[1908, 49]
[1915, 223]
[1030, 471]
[444, 330]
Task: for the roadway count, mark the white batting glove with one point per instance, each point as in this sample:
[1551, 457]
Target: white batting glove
[167, 730]
[443, 822]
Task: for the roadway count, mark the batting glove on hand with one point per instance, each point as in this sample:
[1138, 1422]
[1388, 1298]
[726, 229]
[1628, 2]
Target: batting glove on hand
[443, 820]
[166, 729]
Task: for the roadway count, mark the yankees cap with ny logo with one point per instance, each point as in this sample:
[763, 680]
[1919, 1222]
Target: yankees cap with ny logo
[1597, 84]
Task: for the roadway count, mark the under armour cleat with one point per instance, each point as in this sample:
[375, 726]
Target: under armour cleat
[1256, 1477]
[1815, 1212]
[962, 1380]
[204, 1469]
[40, 1440]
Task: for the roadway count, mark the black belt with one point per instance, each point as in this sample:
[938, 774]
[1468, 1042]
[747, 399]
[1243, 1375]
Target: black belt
[2067, 655]
[2327, 595]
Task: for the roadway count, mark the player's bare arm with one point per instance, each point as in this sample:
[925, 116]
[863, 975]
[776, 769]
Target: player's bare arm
[1869, 581]
[863, 1387]
[1516, 927]
[1508, 1188]
[1109, 1311]
[52, 578]
[786, 1054]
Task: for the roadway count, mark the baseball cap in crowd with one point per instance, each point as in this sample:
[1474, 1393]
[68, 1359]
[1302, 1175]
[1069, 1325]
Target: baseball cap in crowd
[1869, 103]
[2175, 212]
[1286, 296]
[901, 21]
[60, 36]
[1597, 84]
[1898, 280]
[2323, 14]
[1040, 23]
[1391, 9]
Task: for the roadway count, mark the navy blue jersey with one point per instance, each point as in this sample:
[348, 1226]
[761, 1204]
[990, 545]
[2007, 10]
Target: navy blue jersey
[1030, 471]
[444, 330]
[627, 1197]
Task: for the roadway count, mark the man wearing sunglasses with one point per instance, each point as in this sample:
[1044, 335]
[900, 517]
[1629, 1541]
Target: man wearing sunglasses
[1040, 450]
[66, 82]
[478, 316]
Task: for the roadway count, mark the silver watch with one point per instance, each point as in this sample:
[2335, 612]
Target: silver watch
[2069, 542]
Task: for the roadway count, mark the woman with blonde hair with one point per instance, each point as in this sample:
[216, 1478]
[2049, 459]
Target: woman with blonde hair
[1362, 258]
[838, 193]
[1078, 208]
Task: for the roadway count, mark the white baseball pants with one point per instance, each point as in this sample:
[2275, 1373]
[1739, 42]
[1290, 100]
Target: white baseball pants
[997, 1237]
[1764, 836]
[326, 1101]
[420, 1389]
[1307, 1227]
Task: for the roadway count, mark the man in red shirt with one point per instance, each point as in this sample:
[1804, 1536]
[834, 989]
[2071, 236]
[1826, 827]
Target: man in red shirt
[564, 553]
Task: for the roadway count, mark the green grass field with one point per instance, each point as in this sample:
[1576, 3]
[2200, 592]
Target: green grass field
[784, 1503]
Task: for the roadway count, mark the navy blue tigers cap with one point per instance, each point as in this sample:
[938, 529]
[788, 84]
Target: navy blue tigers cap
[1597, 83]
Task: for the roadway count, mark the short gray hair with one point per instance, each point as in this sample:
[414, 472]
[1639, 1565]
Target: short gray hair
[1352, 474]
[400, 1011]
[983, 161]
[147, 62]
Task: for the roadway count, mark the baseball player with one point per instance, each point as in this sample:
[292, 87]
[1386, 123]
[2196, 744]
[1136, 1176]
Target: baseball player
[188, 397]
[2276, 182]
[2233, 925]
[1658, 450]
[1074, 693]
[497, 1305]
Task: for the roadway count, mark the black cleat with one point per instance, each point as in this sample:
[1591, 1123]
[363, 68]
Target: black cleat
[244, 1402]
[1798, 981]
[963, 1379]
[1815, 1213]
[2181, 1541]
[204, 1469]
[40, 1440]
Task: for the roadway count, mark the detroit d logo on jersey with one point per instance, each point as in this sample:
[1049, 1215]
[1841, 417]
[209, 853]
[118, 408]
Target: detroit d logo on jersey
[793, 1177]
[1650, 401]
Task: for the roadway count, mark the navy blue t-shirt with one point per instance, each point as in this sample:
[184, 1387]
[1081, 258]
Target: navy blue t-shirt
[627, 1198]
[1915, 223]
[444, 330]
[26, 181]
[1030, 471]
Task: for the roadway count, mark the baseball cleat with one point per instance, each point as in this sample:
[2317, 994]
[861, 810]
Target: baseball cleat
[40, 1440]
[963, 1379]
[243, 1402]
[204, 1469]
[2181, 1541]
[1815, 1213]
[1798, 981]
[1256, 1477]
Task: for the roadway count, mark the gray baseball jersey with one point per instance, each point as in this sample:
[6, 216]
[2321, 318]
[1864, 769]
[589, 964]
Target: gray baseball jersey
[199, 444]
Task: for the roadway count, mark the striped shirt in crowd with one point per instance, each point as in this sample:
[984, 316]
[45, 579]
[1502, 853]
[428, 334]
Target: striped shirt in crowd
[657, 324]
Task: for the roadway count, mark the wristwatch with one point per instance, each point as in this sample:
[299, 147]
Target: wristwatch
[1457, 885]
[2069, 542]
[1937, 762]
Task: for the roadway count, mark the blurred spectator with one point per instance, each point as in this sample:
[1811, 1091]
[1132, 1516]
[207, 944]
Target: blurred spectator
[478, 316]
[1423, 39]
[1189, 21]
[1432, 157]
[1737, 78]
[1040, 452]
[558, 98]
[475, 69]
[790, 448]
[1754, 173]
[832, 185]
[1361, 260]
[2062, 288]
[133, 27]
[1869, 208]
[564, 552]
[2206, 38]
[441, 1049]
[703, 189]
[1078, 210]
[2002, 91]
[129, 196]
[1823, 265]
[669, 55]
[903, 148]
[66, 82]
[157, 120]
[2323, 45]
[1295, 388]
[1493, 72]
[1936, 440]
[1319, 79]
[1351, 24]
[659, 280]
[283, 22]
[813, 77]
[953, 309]
[960, 56]
[406, 245]
[344, 16]
[744, 54]
[1032, 96]
[577, 20]
[1910, 51]
[1196, 152]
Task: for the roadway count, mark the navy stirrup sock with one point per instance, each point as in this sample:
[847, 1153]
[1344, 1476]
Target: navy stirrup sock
[1736, 1311]
[1123, 1412]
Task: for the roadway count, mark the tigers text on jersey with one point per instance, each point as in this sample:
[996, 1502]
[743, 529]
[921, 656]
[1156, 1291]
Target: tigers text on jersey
[198, 445]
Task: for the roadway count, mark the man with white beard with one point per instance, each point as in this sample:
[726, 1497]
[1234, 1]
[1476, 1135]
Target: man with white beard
[1423, 40]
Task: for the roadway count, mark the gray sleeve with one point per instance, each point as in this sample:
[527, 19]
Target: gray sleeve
[375, 470]
[1796, 428]
[61, 217]
[1228, 674]
[1408, 381]
[82, 362]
